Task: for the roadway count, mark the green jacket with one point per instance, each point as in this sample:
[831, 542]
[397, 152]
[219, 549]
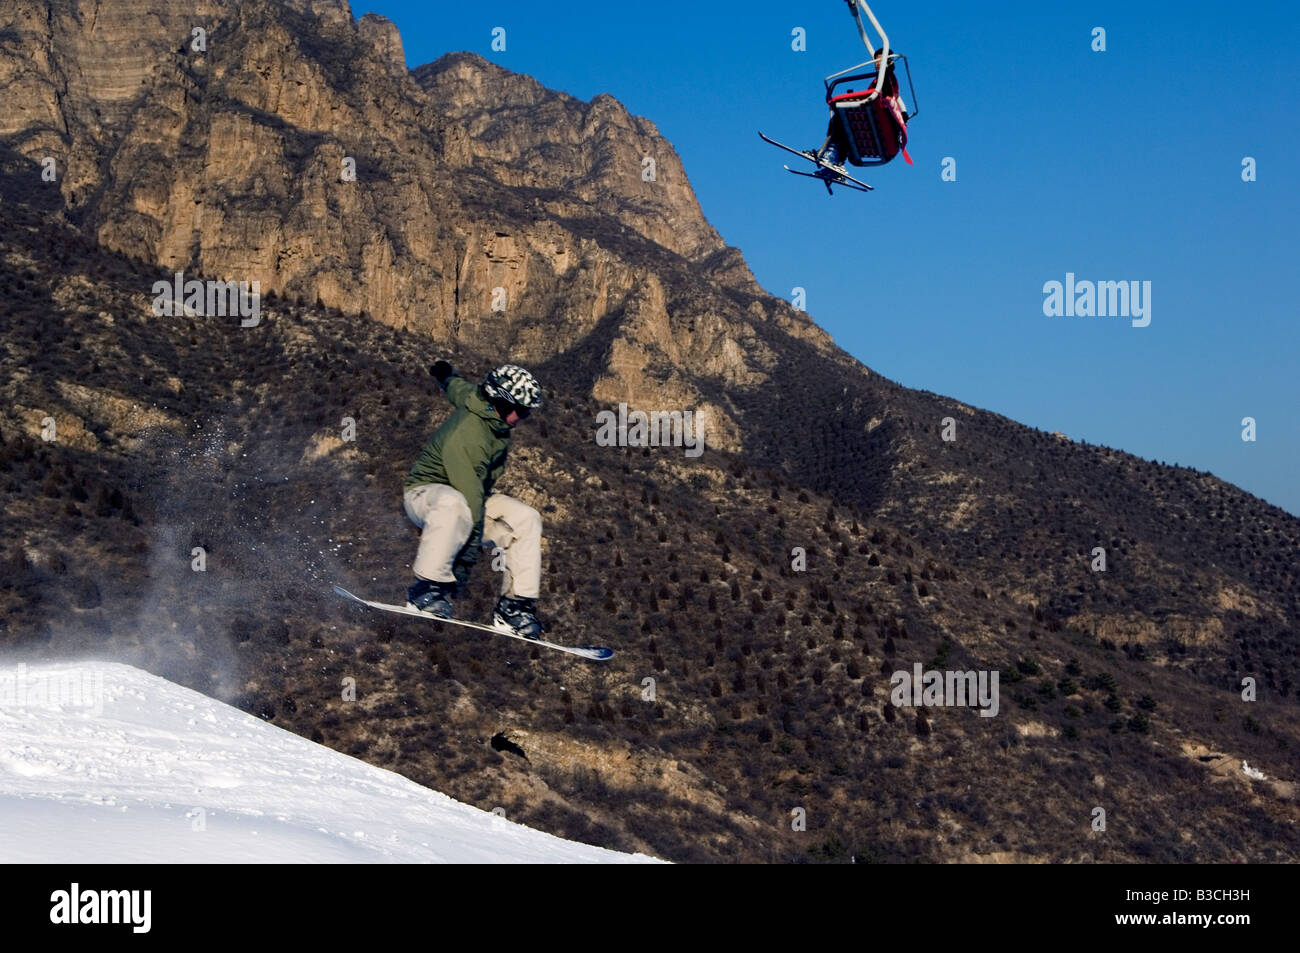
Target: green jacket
[468, 452]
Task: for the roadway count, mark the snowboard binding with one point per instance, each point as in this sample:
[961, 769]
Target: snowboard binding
[518, 617]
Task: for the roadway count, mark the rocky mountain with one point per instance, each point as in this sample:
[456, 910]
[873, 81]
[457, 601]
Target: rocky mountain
[512, 216]
[490, 216]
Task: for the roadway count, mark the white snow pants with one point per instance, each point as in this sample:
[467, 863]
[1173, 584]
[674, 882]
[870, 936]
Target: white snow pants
[445, 522]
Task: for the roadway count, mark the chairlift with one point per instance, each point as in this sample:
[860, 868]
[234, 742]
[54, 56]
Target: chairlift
[868, 120]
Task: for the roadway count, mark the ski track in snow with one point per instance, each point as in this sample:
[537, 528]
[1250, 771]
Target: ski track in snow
[126, 784]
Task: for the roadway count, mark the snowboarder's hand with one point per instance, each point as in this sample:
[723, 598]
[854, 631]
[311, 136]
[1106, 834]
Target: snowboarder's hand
[442, 372]
[463, 566]
[468, 556]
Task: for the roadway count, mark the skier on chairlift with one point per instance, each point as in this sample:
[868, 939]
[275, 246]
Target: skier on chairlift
[835, 150]
[868, 124]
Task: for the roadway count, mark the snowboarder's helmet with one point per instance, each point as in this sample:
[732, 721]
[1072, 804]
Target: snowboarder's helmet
[514, 385]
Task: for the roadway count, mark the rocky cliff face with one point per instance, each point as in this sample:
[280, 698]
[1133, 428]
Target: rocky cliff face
[484, 208]
[522, 134]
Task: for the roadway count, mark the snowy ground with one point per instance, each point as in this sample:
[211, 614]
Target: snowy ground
[101, 762]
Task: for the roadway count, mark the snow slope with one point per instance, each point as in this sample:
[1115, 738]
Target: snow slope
[102, 762]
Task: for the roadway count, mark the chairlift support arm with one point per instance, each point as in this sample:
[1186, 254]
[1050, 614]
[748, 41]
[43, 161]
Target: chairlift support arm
[857, 8]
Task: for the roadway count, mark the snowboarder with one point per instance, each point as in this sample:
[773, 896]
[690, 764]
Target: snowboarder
[448, 494]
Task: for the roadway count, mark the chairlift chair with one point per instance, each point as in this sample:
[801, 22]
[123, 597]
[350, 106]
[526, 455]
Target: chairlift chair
[870, 118]
[873, 120]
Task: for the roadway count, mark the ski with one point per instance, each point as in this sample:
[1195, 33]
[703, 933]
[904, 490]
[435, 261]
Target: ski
[827, 174]
[830, 177]
[595, 652]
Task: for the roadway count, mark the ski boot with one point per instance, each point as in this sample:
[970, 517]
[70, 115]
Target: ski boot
[831, 157]
[431, 598]
[518, 617]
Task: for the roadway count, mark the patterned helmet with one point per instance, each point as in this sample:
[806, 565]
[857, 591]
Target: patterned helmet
[514, 385]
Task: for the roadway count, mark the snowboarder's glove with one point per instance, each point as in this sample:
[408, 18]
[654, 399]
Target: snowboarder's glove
[468, 556]
[461, 571]
[442, 372]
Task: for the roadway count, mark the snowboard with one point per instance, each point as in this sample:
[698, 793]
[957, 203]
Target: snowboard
[596, 652]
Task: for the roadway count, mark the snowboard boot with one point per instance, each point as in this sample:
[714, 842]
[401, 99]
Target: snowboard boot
[431, 598]
[518, 616]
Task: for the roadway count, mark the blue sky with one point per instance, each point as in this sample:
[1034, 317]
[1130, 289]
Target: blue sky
[1122, 165]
